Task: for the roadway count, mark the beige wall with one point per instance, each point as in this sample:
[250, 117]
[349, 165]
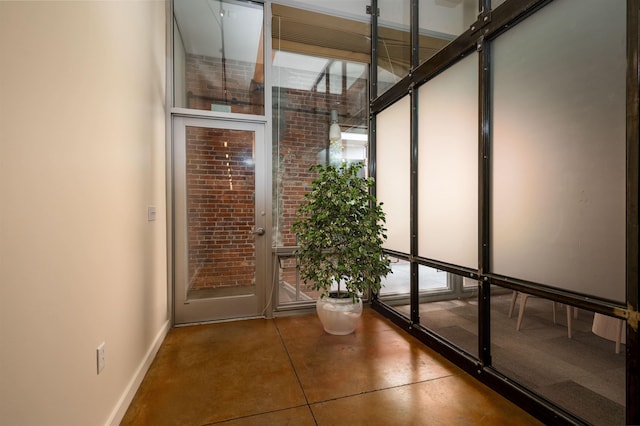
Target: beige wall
[82, 155]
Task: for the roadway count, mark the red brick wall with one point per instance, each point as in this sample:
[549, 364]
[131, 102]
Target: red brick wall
[220, 205]
[301, 133]
[302, 139]
[220, 218]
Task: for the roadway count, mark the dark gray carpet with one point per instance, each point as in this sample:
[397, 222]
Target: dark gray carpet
[583, 374]
[600, 410]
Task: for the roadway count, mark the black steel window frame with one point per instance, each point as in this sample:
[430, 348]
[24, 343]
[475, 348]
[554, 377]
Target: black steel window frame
[477, 40]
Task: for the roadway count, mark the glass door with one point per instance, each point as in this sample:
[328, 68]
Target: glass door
[219, 182]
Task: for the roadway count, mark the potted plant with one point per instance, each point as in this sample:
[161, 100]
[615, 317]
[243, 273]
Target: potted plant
[340, 231]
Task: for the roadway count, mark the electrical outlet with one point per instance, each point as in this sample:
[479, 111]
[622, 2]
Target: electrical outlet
[100, 357]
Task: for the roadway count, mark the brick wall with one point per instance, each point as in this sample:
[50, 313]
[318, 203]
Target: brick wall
[301, 134]
[221, 249]
[220, 205]
[302, 139]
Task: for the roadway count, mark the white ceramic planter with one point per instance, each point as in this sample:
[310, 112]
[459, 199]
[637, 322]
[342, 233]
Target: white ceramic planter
[339, 316]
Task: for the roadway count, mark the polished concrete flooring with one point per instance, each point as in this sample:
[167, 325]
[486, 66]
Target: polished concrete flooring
[288, 371]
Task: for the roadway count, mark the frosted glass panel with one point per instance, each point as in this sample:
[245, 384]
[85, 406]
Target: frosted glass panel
[393, 164]
[448, 165]
[559, 148]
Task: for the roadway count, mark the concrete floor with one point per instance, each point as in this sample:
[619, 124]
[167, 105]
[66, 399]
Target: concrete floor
[288, 371]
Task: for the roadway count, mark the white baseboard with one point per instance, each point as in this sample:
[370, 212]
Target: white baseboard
[123, 403]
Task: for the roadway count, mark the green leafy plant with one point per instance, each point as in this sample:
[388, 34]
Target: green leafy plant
[340, 230]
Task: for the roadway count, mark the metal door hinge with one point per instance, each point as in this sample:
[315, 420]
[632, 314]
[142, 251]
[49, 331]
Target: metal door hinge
[632, 317]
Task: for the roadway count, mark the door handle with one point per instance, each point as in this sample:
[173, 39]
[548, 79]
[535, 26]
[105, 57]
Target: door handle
[258, 231]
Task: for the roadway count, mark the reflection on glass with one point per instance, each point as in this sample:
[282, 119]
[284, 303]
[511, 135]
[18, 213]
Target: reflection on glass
[394, 43]
[442, 21]
[320, 76]
[582, 373]
[431, 280]
[220, 177]
[308, 92]
[291, 289]
[218, 56]
[449, 307]
[448, 302]
[398, 283]
[439, 23]
[294, 291]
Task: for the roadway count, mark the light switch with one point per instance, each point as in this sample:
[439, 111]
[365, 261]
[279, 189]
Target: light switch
[151, 213]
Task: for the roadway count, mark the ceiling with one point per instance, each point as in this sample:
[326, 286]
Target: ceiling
[303, 41]
[203, 24]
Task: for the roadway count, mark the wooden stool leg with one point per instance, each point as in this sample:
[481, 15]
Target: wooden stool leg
[618, 335]
[514, 296]
[523, 303]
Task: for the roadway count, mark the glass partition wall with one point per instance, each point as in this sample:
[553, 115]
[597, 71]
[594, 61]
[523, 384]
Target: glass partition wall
[320, 99]
[216, 67]
[439, 23]
[507, 161]
[218, 160]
